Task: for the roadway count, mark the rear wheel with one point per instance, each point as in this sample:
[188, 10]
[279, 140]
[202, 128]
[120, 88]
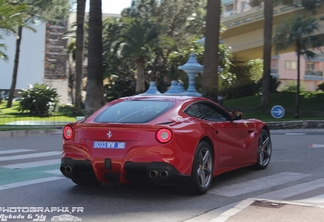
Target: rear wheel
[264, 150]
[202, 170]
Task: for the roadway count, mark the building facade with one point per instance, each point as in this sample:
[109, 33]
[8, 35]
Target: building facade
[284, 66]
[43, 58]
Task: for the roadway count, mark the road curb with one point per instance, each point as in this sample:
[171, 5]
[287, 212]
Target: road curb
[25, 133]
[298, 124]
[243, 205]
[233, 211]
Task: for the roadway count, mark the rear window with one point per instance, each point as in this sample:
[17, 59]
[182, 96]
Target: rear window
[135, 111]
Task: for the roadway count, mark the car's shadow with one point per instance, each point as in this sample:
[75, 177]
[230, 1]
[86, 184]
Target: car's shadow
[151, 191]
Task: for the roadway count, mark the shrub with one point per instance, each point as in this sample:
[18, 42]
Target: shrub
[320, 87]
[291, 86]
[39, 99]
[239, 91]
[249, 89]
[66, 110]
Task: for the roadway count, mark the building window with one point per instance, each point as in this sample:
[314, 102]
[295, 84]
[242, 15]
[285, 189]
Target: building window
[291, 65]
[51, 66]
[229, 7]
[310, 66]
[245, 5]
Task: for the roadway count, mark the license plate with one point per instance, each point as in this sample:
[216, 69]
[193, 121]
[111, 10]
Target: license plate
[109, 145]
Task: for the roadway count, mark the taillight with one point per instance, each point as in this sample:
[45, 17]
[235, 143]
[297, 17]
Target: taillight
[163, 135]
[67, 132]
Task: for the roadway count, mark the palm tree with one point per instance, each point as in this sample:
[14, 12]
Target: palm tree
[137, 42]
[267, 47]
[71, 53]
[11, 16]
[50, 10]
[267, 50]
[267, 44]
[297, 32]
[79, 54]
[95, 89]
[2, 54]
[210, 71]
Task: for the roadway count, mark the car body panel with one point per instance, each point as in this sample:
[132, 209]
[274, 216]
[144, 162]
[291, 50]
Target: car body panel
[234, 142]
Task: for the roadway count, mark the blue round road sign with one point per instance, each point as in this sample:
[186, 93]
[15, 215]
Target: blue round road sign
[277, 111]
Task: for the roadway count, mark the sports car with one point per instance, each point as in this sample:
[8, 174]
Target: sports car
[179, 140]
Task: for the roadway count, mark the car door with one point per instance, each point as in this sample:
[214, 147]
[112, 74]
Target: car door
[232, 138]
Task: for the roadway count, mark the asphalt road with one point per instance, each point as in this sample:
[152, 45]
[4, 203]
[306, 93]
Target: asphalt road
[31, 185]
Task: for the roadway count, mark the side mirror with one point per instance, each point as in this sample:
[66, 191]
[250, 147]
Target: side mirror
[237, 115]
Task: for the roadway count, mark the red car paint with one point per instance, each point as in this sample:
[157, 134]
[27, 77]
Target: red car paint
[234, 143]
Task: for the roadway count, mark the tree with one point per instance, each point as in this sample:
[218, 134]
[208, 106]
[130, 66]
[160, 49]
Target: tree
[50, 10]
[267, 50]
[71, 51]
[2, 54]
[137, 41]
[297, 32]
[267, 44]
[11, 16]
[210, 71]
[118, 70]
[79, 54]
[95, 90]
[182, 20]
[178, 22]
[311, 5]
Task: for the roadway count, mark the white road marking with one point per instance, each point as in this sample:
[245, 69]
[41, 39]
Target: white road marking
[14, 151]
[222, 214]
[316, 146]
[293, 190]
[56, 172]
[32, 164]
[57, 175]
[316, 199]
[29, 182]
[25, 156]
[258, 184]
[295, 134]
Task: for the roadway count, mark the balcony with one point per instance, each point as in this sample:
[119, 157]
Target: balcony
[313, 75]
[247, 15]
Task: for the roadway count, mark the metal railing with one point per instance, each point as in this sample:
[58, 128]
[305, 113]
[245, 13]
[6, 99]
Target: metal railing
[27, 120]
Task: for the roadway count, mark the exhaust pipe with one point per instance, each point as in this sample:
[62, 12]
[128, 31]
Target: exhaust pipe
[66, 169]
[62, 168]
[153, 173]
[164, 174]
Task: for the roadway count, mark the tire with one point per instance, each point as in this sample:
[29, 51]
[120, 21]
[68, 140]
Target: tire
[202, 169]
[264, 150]
[81, 182]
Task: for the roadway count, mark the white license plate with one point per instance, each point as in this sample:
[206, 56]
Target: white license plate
[109, 145]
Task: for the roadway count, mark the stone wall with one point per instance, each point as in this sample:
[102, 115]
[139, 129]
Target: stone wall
[302, 124]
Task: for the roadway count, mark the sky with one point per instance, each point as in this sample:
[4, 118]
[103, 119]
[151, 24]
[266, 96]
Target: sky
[113, 6]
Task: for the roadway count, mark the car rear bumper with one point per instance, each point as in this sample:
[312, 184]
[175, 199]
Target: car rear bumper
[154, 172]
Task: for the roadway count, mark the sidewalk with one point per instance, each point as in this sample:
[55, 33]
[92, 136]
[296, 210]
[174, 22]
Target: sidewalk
[263, 210]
